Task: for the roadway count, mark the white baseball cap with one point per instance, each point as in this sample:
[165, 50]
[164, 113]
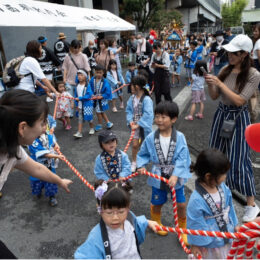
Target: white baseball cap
[240, 43]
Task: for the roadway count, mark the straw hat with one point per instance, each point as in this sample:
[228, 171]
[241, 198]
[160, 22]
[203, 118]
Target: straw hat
[62, 36]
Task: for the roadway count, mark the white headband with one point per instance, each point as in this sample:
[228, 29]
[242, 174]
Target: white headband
[83, 72]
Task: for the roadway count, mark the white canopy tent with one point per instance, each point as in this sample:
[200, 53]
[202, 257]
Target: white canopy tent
[43, 14]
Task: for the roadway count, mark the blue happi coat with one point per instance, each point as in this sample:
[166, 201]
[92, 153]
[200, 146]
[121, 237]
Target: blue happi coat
[199, 52]
[181, 160]
[146, 121]
[87, 105]
[128, 76]
[37, 152]
[190, 61]
[114, 83]
[105, 92]
[100, 172]
[197, 212]
[93, 247]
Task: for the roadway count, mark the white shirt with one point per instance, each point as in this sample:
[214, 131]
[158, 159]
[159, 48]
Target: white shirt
[7, 164]
[256, 48]
[80, 89]
[114, 73]
[123, 242]
[30, 65]
[165, 144]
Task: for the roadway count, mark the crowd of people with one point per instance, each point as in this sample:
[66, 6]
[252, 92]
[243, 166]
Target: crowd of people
[91, 81]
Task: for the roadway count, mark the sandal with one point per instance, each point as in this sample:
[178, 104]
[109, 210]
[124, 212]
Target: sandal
[189, 118]
[199, 115]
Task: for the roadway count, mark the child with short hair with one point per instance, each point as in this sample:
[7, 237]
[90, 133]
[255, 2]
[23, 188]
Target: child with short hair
[139, 114]
[210, 206]
[115, 80]
[190, 61]
[197, 90]
[65, 105]
[42, 150]
[112, 163]
[119, 233]
[176, 67]
[130, 74]
[101, 90]
[167, 149]
[84, 105]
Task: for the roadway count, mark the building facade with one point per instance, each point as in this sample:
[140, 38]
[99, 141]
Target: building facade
[198, 15]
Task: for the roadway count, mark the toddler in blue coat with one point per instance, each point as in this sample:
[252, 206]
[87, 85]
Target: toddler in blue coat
[112, 163]
[210, 206]
[120, 232]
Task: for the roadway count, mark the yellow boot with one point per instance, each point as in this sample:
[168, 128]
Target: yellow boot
[157, 217]
[183, 224]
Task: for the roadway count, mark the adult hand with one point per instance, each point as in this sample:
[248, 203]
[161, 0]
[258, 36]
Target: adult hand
[212, 80]
[65, 184]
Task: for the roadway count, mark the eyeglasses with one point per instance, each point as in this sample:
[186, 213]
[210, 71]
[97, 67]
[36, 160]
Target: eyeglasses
[110, 213]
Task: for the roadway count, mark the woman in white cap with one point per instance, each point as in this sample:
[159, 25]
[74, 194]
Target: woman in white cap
[235, 85]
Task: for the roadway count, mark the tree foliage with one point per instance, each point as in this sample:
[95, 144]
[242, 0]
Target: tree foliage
[148, 13]
[232, 14]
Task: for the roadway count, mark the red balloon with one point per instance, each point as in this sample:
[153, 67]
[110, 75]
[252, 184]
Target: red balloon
[252, 135]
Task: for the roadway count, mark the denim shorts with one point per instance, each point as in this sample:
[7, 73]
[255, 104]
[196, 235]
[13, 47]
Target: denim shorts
[159, 197]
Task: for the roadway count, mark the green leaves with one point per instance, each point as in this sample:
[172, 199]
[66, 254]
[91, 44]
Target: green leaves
[232, 14]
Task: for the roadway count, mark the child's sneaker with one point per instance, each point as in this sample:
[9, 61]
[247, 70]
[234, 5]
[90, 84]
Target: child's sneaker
[78, 135]
[189, 118]
[98, 128]
[199, 115]
[114, 109]
[109, 125]
[92, 131]
[53, 202]
[122, 105]
[68, 127]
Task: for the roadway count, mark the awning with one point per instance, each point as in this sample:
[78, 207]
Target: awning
[43, 14]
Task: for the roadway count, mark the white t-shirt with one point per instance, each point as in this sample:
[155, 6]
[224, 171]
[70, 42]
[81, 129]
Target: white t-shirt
[30, 65]
[216, 197]
[256, 48]
[7, 164]
[165, 143]
[80, 89]
[123, 242]
[114, 73]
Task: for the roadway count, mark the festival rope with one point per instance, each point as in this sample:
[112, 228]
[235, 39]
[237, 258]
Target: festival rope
[244, 240]
[130, 140]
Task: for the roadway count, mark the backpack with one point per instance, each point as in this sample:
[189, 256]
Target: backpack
[11, 74]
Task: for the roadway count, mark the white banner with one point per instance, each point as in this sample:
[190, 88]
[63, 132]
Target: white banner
[43, 14]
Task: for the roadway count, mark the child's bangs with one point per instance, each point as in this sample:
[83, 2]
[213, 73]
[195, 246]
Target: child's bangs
[115, 198]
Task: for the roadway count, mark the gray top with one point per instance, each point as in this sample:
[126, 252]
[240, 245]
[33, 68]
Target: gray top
[249, 89]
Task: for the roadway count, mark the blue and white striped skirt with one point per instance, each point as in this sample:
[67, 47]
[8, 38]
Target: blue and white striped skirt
[240, 176]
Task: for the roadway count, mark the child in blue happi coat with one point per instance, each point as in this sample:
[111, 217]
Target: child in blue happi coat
[120, 232]
[101, 89]
[190, 61]
[112, 163]
[84, 105]
[210, 206]
[167, 149]
[139, 114]
[130, 74]
[115, 80]
[42, 150]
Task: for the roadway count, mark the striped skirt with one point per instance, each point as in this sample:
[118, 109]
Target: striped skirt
[240, 176]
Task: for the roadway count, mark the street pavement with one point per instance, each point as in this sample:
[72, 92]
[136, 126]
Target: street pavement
[33, 229]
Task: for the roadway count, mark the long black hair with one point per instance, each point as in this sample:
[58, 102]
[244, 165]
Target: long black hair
[17, 106]
[140, 81]
[110, 63]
